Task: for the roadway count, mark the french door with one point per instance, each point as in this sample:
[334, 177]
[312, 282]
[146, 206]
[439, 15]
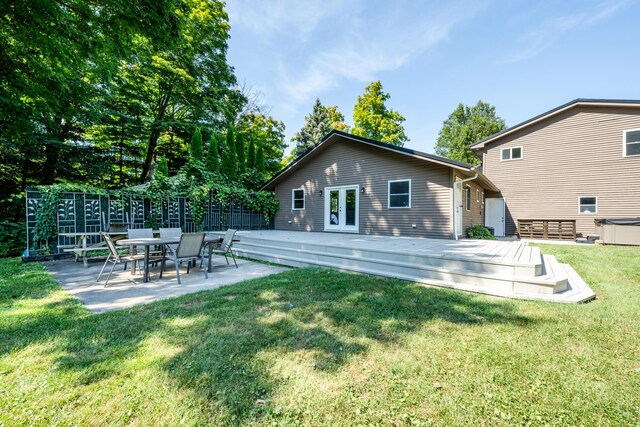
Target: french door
[341, 208]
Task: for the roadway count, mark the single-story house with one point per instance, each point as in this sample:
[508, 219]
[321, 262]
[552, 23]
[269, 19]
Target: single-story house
[352, 184]
[579, 161]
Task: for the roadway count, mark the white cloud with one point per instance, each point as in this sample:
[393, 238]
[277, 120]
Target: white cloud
[294, 19]
[365, 48]
[536, 41]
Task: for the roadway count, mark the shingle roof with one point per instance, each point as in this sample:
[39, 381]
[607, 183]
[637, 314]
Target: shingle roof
[402, 150]
[571, 104]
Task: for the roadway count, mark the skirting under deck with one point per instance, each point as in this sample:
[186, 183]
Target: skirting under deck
[502, 268]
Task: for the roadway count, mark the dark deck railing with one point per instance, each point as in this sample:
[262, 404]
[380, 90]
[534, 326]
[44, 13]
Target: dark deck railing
[547, 229]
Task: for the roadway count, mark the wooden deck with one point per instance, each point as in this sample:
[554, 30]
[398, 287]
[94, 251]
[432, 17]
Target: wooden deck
[502, 268]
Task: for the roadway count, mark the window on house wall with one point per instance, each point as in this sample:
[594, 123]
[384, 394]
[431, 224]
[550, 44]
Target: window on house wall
[511, 153]
[297, 199]
[400, 193]
[467, 198]
[632, 142]
[588, 205]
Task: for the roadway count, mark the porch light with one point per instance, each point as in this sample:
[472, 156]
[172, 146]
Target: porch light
[320, 192]
[362, 190]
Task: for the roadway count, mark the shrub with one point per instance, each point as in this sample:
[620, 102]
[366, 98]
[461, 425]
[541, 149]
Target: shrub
[480, 232]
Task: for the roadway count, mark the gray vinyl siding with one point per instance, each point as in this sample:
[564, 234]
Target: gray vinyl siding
[578, 152]
[345, 162]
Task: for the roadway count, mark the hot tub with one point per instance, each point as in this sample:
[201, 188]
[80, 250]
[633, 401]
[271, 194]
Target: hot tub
[618, 231]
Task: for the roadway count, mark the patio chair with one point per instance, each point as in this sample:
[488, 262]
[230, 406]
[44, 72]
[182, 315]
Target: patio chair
[116, 258]
[189, 249]
[225, 246]
[171, 232]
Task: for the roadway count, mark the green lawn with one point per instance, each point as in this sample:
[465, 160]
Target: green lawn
[313, 347]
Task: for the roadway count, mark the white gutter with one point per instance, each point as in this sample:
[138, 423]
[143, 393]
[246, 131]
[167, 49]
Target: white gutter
[455, 205]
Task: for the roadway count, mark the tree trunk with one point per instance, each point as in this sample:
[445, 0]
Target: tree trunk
[156, 130]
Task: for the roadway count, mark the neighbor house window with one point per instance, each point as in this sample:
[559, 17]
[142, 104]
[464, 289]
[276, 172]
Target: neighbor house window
[467, 198]
[400, 193]
[297, 197]
[588, 205]
[632, 142]
[513, 153]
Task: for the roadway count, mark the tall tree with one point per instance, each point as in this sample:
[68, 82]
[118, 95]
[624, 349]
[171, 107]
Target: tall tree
[260, 159]
[229, 164]
[194, 75]
[251, 153]
[213, 162]
[316, 126]
[465, 126]
[337, 119]
[240, 154]
[372, 119]
[196, 148]
[268, 131]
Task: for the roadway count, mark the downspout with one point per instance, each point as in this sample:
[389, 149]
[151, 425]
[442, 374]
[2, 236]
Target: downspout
[455, 204]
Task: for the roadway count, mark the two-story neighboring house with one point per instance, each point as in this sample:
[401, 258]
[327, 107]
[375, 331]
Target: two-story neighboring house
[579, 161]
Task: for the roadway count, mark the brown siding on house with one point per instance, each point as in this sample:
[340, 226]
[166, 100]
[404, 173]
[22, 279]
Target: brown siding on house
[475, 216]
[345, 162]
[575, 153]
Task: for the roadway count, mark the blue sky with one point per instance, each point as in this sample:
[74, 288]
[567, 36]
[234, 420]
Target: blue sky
[523, 57]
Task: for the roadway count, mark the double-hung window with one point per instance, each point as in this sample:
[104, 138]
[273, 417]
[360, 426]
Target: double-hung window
[297, 199]
[588, 205]
[399, 193]
[511, 153]
[631, 142]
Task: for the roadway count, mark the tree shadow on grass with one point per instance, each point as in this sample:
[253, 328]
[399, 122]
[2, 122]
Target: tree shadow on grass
[225, 336]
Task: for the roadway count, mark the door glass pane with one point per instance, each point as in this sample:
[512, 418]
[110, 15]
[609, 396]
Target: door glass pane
[334, 207]
[350, 207]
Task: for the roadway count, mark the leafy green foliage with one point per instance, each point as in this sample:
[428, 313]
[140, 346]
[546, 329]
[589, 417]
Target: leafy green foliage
[270, 133]
[337, 119]
[163, 168]
[240, 154]
[260, 159]
[229, 166]
[479, 232]
[372, 119]
[213, 160]
[316, 126]
[46, 227]
[465, 126]
[196, 148]
[251, 153]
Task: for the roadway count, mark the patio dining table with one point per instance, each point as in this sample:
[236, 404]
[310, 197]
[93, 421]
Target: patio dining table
[147, 242]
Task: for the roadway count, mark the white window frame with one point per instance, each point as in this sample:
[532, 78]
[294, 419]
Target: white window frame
[580, 205]
[293, 199]
[389, 194]
[502, 159]
[624, 143]
[467, 200]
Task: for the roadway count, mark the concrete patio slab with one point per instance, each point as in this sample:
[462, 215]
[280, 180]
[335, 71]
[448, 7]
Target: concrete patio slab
[126, 290]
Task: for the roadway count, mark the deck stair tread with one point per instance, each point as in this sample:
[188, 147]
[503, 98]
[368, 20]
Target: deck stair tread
[340, 250]
[508, 269]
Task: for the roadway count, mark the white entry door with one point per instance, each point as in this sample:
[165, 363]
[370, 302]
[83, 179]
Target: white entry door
[494, 215]
[341, 206]
[457, 208]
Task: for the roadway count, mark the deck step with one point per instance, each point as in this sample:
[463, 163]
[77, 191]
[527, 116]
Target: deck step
[499, 283]
[467, 263]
